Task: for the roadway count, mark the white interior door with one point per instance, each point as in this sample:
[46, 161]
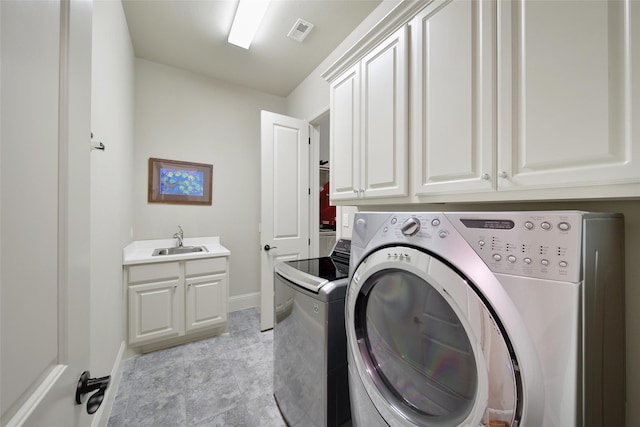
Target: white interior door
[284, 216]
[44, 216]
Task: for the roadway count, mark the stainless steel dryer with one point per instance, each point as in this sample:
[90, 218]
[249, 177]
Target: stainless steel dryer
[311, 383]
[486, 319]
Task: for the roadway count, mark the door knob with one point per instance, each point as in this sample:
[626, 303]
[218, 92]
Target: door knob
[86, 384]
[268, 248]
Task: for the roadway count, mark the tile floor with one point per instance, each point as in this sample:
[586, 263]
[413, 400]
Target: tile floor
[222, 381]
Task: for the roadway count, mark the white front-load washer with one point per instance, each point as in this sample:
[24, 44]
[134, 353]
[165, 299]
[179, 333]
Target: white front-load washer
[497, 319]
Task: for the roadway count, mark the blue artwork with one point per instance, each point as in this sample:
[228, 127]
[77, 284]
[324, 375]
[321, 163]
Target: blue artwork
[181, 182]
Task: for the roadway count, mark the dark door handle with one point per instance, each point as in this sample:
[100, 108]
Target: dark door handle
[268, 248]
[87, 385]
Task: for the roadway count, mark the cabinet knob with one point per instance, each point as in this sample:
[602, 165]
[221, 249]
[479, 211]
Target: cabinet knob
[504, 174]
[485, 177]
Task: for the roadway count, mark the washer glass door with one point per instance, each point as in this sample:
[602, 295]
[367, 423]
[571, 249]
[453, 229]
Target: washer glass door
[426, 345]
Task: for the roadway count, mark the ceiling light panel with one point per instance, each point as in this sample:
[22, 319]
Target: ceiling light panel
[247, 21]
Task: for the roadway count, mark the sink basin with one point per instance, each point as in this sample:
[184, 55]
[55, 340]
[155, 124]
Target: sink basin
[179, 250]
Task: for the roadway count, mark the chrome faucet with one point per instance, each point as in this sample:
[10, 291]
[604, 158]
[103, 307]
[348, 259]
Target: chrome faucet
[180, 236]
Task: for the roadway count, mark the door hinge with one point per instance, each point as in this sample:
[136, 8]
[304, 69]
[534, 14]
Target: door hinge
[309, 241]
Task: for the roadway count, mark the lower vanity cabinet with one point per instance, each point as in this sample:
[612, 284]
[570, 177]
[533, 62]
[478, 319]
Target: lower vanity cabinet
[171, 300]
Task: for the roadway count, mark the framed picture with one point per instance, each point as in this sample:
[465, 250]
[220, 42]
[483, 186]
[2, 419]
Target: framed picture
[173, 181]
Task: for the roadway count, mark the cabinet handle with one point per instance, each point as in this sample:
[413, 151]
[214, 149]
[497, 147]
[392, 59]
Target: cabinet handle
[485, 177]
[189, 284]
[504, 174]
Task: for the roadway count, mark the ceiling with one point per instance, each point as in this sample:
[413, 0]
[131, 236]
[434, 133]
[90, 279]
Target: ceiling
[192, 35]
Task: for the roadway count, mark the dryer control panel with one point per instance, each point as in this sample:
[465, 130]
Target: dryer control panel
[544, 245]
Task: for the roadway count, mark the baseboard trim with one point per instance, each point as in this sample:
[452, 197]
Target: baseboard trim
[241, 302]
[102, 416]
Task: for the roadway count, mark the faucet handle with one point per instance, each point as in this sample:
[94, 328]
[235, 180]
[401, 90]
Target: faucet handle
[181, 232]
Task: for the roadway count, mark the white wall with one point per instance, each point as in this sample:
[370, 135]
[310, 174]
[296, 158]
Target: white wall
[111, 180]
[185, 116]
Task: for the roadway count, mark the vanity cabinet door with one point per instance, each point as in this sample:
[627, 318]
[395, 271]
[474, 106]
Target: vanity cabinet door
[205, 300]
[206, 289]
[155, 311]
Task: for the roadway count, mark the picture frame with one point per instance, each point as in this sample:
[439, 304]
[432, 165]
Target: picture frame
[179, 182]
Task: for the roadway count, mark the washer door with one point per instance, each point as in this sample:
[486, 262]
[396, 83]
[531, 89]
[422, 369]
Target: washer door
[427, 348]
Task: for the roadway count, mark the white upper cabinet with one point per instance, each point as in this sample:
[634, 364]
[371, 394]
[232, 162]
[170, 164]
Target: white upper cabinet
[452, 89]
[506, 100]
[384, 137]
[344, 135]
[369, 135]
[568, 79]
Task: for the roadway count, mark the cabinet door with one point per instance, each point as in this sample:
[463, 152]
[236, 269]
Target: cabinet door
[345, 136]
[206, 301]
[155, 311]
[384, 138]
[569, 113]
[453, 97]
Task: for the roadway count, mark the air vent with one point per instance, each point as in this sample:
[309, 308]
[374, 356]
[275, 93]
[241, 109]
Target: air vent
[300, 30]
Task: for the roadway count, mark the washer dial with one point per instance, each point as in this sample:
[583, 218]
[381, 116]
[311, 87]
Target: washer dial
[411, 226]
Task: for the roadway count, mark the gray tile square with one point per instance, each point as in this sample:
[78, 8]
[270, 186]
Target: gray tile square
[264, 412]
[164, 411]
[237, 416]
[254, 382]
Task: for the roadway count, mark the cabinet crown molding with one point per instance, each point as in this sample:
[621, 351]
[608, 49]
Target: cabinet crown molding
[399, 16]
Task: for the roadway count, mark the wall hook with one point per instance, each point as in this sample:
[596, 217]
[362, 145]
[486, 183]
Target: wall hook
[97, 147]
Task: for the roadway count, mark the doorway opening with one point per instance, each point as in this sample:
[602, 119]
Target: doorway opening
[322, 215]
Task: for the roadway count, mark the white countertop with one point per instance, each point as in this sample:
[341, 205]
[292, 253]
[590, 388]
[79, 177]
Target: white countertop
[140, 251]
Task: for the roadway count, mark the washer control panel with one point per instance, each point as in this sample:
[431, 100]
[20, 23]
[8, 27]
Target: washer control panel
[544, 245]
